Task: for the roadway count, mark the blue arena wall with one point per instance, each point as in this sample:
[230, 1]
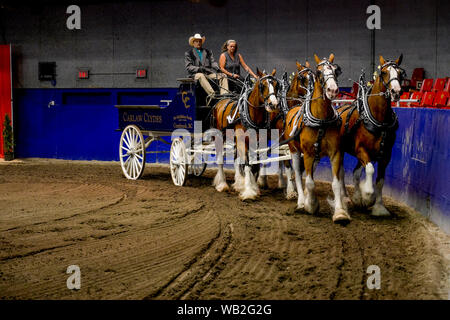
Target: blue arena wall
[83, 123]
[419, 171]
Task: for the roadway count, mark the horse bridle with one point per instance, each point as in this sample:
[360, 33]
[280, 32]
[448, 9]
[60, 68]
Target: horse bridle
[334, 75]
[270, 79]
[301, 77]
[401, 74]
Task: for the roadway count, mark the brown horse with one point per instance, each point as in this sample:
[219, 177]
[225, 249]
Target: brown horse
[368, 130]
[261, 100]
[291, 95]
[314, 131]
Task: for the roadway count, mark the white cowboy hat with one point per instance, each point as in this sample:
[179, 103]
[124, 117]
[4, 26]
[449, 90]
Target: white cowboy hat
[195, 37]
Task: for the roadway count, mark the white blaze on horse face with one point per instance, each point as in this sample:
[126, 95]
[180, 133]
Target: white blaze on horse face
[273, 100]
[395, 85]
[331, 87]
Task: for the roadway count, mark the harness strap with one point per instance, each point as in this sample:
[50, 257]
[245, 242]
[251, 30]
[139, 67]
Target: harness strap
[347, 121]
[317, 145]
[231, 111]
[382, 144]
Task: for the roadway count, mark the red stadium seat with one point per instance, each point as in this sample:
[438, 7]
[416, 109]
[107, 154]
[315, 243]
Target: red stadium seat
[427, 100]
[439, 84]
[416, 96]
[405, 95]
[447, 86]
[417, 75]
[427, 84]
[440, 100]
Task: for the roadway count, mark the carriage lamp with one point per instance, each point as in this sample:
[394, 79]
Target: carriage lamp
[141, 73]
[83, 74]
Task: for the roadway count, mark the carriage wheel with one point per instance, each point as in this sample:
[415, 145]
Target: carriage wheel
[132, 152]
[178, 161]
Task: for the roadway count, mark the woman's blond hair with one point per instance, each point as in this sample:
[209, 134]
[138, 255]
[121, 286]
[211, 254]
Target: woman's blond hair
[227, 43]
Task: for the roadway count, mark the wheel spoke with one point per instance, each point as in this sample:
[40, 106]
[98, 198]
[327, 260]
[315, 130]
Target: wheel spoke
[128, 139]
[125, 141]
[128, 166]
[139, 165]
[136, 170]
[132, 144]
[182, 169]
[139, 156]
[131, 169]
[135, 138]
[126, 149]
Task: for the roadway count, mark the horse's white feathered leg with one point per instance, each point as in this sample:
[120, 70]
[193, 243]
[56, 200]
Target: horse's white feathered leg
[367, 192]
[311, 203]
[298, 180]
[340, 209]
[262, 177]
[290, 188]
[249, 192]
[220, 181]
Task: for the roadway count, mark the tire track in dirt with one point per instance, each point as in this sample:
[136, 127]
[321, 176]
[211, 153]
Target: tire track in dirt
[127, 270]
[200, 270]
[82, 208]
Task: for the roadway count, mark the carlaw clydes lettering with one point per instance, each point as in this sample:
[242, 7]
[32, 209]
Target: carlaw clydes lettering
[152, 118]
[142, 118]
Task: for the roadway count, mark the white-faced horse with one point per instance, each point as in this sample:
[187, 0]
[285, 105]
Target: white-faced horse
[315, 127]
[252, 114]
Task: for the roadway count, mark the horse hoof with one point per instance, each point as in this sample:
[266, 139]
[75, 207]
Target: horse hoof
[248, 195]
[312, 208]
[341, 216]
[380, 211]
[222, 187]
[291, 195]
[300, 208]
[368, 199]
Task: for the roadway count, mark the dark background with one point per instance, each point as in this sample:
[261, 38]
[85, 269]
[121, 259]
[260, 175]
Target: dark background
[118, 36]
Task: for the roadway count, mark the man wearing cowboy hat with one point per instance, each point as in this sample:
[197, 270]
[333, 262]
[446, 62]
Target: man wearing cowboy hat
[200, 65]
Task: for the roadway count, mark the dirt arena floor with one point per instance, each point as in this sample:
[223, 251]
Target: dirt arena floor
[148, 239]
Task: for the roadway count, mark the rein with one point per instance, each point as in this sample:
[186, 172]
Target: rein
[402, 73]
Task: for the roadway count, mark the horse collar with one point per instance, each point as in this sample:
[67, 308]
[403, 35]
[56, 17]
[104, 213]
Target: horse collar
[308, 117]
[372, 125]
